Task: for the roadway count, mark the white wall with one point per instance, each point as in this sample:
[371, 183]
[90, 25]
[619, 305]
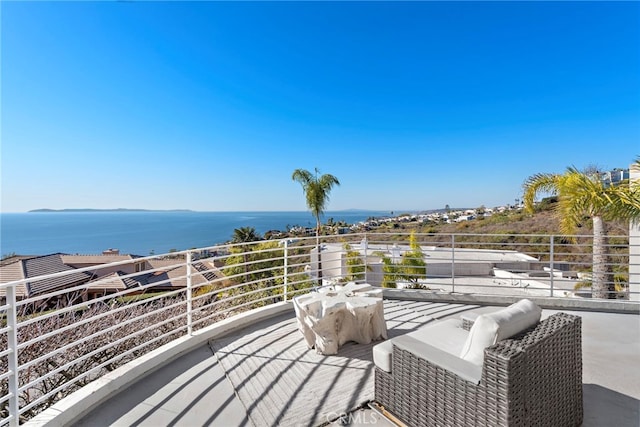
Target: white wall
[331, 261]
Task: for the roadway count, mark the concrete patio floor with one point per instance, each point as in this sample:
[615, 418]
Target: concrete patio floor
[195, 390]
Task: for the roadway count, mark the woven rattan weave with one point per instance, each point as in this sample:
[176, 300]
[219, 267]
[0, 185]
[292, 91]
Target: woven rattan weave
[532, 379]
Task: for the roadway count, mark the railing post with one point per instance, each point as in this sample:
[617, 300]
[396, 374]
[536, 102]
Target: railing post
[286, 267]
[551, 240]
[12, 341]
[453, 263]
[365, 249]
[189, 296]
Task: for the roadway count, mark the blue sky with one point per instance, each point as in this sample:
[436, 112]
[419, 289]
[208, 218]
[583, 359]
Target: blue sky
[211, 105]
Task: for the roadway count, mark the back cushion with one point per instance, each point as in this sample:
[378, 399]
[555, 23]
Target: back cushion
[483, 333]
[516, 318]
[490, 328]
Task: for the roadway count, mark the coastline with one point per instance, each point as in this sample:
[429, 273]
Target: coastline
[143, 232]
[47, 210]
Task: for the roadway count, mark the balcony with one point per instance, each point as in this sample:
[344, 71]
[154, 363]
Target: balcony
[208, 336]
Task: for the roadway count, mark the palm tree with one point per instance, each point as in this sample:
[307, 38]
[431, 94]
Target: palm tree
[245, 235]
[414, 266]
[356, 265]
[411, 267]
[316, 190]
[584, 195]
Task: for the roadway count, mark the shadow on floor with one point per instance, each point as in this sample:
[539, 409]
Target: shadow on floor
[605, 407]
[191, 390]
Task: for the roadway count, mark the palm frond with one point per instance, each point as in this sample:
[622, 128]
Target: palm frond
[536, 184]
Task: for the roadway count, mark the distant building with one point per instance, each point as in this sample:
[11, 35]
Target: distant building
[133, 273]
[614, 176]
[468, 262]
[25, 268]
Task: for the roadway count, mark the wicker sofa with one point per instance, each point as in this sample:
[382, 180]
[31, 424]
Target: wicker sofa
[533, 378]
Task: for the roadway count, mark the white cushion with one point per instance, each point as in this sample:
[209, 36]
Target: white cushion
[516, 318]
[483, 333]
[490, 328]
[446, 335]
[382, 355]
[461, 368]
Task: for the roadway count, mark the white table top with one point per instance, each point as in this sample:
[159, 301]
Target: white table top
[350, 296]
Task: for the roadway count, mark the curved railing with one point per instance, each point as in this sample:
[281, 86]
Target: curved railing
[63, 330]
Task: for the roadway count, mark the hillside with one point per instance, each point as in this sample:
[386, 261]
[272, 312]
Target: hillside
[510, 222]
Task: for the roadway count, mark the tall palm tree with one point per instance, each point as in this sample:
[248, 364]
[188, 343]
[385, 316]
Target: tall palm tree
[316, 190]
[583, 195]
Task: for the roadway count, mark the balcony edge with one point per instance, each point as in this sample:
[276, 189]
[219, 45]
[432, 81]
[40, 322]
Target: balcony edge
[73, 407]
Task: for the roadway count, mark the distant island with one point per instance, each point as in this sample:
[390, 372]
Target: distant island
[110, 210]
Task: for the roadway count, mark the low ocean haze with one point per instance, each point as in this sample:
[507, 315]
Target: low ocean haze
[140, 233]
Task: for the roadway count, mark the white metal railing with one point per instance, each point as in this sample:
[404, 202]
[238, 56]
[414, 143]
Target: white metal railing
[53, 343]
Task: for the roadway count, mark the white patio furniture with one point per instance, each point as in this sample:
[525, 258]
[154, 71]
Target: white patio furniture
[334, 315]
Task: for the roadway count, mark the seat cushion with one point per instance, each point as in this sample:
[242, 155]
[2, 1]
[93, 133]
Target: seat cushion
[446, 335]
[382, 355]
[490, 328]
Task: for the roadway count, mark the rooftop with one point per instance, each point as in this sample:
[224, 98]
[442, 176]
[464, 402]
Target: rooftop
[223, 347]
[263, 374]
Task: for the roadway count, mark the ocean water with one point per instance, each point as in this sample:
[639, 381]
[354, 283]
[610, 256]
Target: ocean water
[140, 233]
